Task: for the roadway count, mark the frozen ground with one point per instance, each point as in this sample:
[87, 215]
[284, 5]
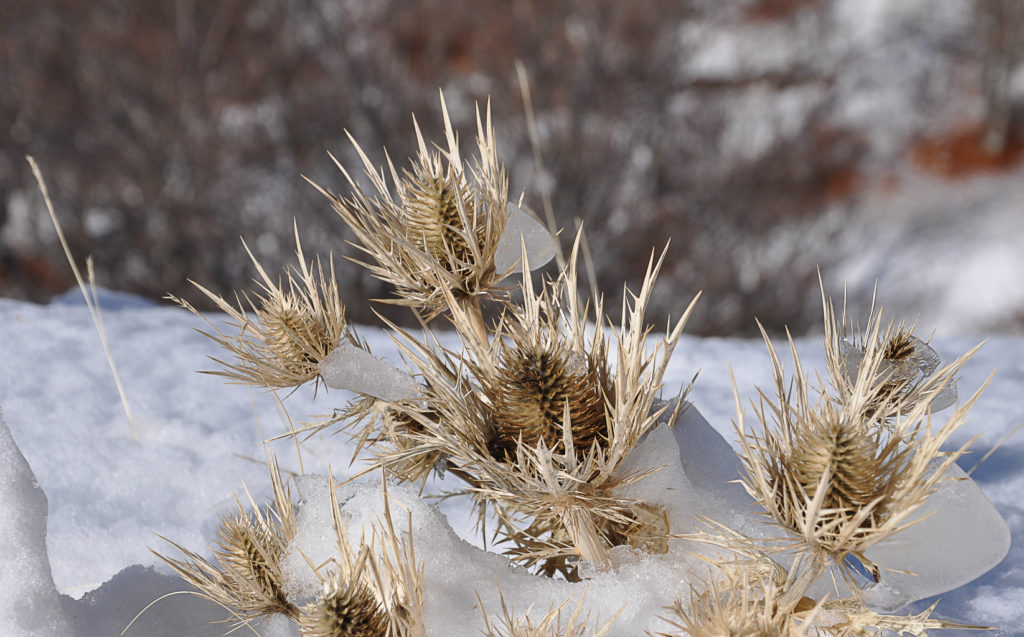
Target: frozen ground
[108, 493]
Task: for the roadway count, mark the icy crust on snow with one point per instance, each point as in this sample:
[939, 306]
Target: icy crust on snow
[353, 368]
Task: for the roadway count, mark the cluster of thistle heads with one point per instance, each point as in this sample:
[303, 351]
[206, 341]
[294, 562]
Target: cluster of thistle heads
[538, 409]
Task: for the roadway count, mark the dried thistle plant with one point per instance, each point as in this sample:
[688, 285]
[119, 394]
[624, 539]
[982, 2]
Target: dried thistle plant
[245, 576]
[538, 412]
[433, 230]
[374, 587]
[750, 593]
[288, 329]
[538, 427]
[827, 474]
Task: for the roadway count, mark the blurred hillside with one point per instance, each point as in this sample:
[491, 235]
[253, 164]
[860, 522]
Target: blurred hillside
[765, 137]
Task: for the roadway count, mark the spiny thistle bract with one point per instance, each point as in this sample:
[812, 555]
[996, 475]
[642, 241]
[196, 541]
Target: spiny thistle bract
[557, 622]
[291, 329]
[434, 230]
[827, 473]
[738, 600]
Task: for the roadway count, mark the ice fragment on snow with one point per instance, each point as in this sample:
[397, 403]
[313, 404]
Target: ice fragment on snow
[522, 229]
[920, 364]
[713, 468]
[349, 367]
[959, 537]
[29, 604]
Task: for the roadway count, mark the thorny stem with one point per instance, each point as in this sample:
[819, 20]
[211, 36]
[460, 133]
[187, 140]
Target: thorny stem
[806, 574]
[586, 539]
[474, 312]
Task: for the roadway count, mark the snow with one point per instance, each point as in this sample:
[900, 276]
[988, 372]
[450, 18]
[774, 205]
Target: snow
[108, 495]
[28, 599]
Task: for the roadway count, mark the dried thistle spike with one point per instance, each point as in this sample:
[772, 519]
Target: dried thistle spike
[345, 609]
[540, 372]
[433, 232]
[287, 330]
[556, 501]
[245, 576]
[827, 474]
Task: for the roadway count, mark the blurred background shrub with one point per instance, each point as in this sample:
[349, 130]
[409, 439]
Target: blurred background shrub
[767, 138]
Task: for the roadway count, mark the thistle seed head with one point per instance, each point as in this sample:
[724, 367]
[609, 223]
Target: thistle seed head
[251, 553]
[296, 337]
[346, 609]
[858, 468]
[821, 465]
[900, 344]
[432, 209]
[283, 331]
[895, 368]
[538, 374]
[433, 232]
[245, 575]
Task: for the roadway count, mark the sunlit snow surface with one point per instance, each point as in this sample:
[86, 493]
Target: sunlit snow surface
[198, 442]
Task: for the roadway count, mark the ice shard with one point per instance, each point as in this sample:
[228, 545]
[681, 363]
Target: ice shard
[352, 368]
[960, 535]
[523, 230]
